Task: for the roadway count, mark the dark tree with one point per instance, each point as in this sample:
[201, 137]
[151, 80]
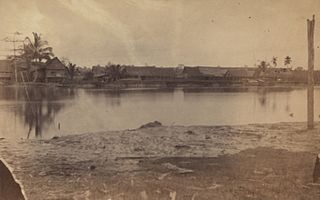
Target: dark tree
[274, 61]
[287, 60]
[71, 70]
[36, 51]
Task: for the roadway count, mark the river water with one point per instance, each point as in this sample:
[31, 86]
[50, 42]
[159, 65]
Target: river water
[39, 112]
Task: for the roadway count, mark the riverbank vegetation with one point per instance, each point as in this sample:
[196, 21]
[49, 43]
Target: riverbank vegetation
[35, 62]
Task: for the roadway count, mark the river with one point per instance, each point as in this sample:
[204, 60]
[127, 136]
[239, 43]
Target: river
[40, 112]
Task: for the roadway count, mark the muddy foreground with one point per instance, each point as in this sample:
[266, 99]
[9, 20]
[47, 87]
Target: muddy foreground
[269, 161]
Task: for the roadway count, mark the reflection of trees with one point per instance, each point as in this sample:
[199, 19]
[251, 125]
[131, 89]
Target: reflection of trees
[262, 97]
[112, 98]
[287, 103]
[39, 105]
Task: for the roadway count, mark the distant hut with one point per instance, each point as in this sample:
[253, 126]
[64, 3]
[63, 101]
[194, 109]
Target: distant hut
[6, 71]
[212, 73]
[55, 71]
[240, 74]
[99, 72]
[277, 74]
[192, 73]
[148, 73]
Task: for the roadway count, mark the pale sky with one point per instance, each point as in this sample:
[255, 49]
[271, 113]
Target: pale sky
[167, 32]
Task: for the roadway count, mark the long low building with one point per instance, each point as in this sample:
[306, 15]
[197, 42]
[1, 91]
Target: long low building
[207, 74]
[149, 72]
[6, 70]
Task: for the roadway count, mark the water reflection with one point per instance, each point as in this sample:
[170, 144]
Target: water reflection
[36, 106]
[36, 112]
[263, 97]
[113, 98]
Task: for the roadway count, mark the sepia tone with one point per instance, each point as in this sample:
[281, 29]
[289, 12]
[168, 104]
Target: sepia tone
[159, 99]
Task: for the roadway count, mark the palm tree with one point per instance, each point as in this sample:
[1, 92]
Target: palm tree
[71, 70]
[287, 60]
[275, 61]
[263, 65]
[115, 72]
[37, 51]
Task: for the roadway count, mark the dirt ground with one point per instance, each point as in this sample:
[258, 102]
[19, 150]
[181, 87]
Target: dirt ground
[266, 161]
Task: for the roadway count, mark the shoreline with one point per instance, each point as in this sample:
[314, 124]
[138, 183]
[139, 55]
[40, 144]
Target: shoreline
[188, 87]
[88, 165]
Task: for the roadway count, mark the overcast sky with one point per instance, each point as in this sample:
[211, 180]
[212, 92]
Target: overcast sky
[166, 32]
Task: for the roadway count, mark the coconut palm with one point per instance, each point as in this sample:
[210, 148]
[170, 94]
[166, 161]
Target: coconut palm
[274, 61]
[71, 70]
[263, 65]
[287, 60]
[36, 52]
[115, 72]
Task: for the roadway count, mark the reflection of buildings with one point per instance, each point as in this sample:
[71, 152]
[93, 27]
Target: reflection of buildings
[112, 98]
[262, 97]
[39, 105]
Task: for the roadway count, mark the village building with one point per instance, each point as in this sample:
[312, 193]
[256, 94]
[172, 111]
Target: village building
[148, 73]
[79, 73]
[55, 71]
[301, 76]
[213, 73]
[240, 74]
[99, 72]
[6, 71]
[277, 74]
[191, 73]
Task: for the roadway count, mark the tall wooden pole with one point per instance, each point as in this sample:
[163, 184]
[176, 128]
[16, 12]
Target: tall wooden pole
[310, 98]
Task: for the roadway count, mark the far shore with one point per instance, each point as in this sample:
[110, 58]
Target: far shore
[255, 161]
[154, 87]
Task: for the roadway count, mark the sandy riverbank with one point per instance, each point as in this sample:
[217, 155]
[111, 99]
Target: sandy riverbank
[265, 161]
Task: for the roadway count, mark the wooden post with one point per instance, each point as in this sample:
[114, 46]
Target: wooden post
[310, 98]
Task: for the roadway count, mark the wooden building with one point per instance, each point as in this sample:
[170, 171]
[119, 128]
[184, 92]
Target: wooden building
[6, 71]
[55, 71]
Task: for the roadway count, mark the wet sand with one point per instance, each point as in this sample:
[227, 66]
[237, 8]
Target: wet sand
[262, 161]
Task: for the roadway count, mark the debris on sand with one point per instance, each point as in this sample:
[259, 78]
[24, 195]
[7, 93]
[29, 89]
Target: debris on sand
[42, 174]
[139, 149]
[173, 195]
[190, 132]
[177, 169]
[143, 195]
[151, 124]
[182, 146]
[54, 137]
[162, 176]
[212, 187]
